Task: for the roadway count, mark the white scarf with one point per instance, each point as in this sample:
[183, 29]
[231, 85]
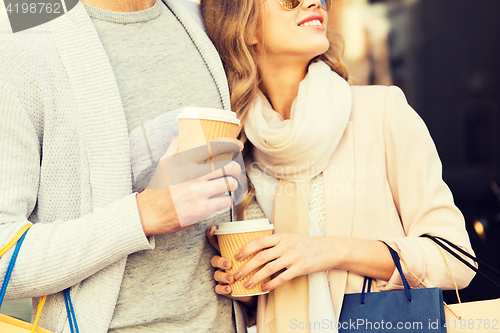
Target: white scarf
[298, 149]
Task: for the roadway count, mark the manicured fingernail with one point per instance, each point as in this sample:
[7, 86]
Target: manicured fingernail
[238, 256]
[248, 284]
[264, 288]
[227, 290]
[229, 278]
[210, 230]
[226, 264]
[238, 276]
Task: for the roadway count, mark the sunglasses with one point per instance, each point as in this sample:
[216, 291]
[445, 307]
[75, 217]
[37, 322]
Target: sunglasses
[292, 4]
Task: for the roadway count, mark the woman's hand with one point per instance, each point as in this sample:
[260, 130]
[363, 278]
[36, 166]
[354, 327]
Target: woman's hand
[222, 278]
[298, 254]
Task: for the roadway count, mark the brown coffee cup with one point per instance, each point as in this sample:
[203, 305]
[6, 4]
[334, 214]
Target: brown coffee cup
[232, 236]
[199, 125]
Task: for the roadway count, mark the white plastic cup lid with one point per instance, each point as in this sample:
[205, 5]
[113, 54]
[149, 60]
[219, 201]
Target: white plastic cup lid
[209, 114]
[244, 226]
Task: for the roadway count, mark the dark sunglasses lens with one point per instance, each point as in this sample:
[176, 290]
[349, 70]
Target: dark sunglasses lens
[290, 4]
[327, 4]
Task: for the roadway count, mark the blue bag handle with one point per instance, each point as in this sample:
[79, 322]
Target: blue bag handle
[8, 273]
[365, 282]
[67, 298]
[73, 326]
[395, 258]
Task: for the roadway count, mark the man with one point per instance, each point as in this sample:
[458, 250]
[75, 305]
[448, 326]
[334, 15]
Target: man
[88, 105]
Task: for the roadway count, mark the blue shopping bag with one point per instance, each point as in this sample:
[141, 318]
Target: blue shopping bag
[408, 310]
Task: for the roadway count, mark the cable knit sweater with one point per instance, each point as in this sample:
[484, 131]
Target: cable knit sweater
[65, 166]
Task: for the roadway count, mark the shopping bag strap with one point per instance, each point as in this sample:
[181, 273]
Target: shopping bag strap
[368, 281]
[440, 241]
[395, 258]
[12, 262]
[73, 326]
[14, 240]
[18, 239]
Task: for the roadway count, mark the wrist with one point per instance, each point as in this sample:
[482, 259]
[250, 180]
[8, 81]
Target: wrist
[340, 252]
[156, 212]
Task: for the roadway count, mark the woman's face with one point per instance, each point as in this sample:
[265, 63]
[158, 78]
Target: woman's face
[298, 34]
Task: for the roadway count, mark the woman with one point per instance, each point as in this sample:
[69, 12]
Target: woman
[339, 170]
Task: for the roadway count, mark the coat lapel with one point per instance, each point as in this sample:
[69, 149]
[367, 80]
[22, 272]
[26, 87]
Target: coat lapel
[339, 187]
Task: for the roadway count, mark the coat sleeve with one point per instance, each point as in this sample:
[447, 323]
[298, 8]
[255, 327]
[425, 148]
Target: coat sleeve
[59, 254]
[424, 202]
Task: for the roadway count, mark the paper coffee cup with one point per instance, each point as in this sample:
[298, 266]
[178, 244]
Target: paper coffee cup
[232, 236]
[199, 125]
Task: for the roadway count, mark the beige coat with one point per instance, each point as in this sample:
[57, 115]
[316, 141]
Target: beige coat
[385, 183]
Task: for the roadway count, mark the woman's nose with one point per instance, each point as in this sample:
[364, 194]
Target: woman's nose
[307, 4]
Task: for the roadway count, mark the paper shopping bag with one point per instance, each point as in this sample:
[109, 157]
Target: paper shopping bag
[408, 310]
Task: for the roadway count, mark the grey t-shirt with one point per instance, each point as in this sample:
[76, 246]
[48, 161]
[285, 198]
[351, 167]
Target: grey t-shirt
[159, 71]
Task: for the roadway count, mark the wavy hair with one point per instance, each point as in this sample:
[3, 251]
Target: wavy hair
[230, 24]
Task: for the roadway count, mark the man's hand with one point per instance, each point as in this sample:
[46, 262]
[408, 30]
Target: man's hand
[185, 189]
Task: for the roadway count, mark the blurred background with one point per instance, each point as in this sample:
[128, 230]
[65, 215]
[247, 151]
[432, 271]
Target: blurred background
[445, 56]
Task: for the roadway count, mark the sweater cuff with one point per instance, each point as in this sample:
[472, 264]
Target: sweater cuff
[127, 212]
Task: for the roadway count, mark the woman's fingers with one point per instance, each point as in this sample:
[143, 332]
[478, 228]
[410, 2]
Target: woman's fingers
[226, 290]
[256, 245]
[269, 269]
[269, 259]
[282, 278]
[223, 289]
[212, 239]
[223, 277]
[220, 276]
[220, 262]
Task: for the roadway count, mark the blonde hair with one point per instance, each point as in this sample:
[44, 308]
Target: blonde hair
[230, 24]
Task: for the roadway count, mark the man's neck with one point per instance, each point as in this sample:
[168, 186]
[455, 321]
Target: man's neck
[121, 5]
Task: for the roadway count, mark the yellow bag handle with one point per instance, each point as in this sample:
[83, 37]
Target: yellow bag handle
[14, 240]
[6, 248]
